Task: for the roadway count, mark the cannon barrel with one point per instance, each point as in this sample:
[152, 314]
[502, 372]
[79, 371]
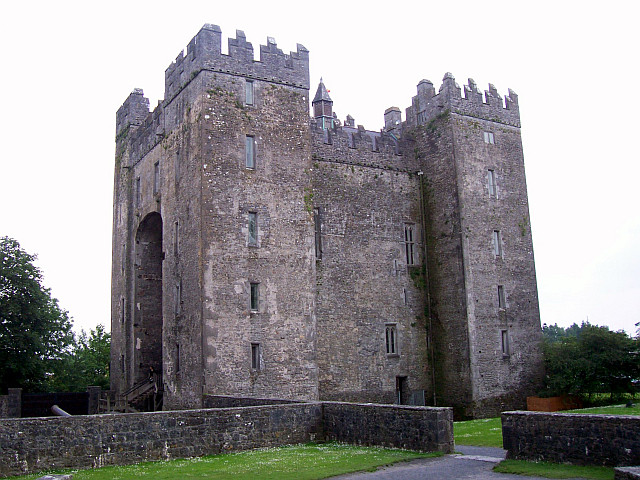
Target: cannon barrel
[60, 412]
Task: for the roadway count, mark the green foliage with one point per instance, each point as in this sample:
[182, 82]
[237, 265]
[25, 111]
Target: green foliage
[35, 333]
[298, 462]
[589, 359]
[86, 364]
[554, 470]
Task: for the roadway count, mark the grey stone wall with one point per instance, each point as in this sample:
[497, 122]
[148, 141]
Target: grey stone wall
[226, 401]
[36, 444]
[4, 406]
[414, 428]
[572, 438]
[627, 473]
[364, 199]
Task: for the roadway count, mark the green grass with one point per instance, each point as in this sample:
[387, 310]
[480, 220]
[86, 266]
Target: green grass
[299, 462]
[486, 432]
[610, 410]
[553, 470]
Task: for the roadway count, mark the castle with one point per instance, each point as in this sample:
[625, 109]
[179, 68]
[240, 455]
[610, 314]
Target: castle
[259, 252]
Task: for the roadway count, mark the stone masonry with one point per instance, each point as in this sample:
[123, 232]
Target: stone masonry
[260, 252]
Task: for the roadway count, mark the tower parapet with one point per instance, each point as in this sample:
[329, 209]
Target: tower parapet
[133, 111]
[204, 52]
[427, 104]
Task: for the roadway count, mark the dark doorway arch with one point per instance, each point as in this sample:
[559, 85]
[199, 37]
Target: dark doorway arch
[147, 325]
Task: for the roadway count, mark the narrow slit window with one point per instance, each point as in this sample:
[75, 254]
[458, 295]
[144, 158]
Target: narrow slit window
[176, 238]
[249, 92]
[491, 181]
[122, 311]
[409, 243]
[254, 301]
[255, 356]
[317, 220]
[178, 299]
[489, 138]
[497, 244]
[502, 302]
[253, 229]
[250, 151]
[391, 339]
[505, 343]
[138, 192]
[177, 357]
[156, 178]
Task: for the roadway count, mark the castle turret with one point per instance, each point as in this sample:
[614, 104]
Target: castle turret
[323, 107]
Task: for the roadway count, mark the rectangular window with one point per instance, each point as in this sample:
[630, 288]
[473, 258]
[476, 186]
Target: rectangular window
[404, 295]
[122, 364]
[254, 302]
[156, 178]
[502, 302]
[248, 92]
[122, 312]
[491, 181]
[252, 239]
[177, 357]
[497, 243]
[250, 152]
[255, 356]
[138, 192]
[505, 343]
[488, 138]
[409, 243]
[317, 221]
[391, 335]
[176, 165]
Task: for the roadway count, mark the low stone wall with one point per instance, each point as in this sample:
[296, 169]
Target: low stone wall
[4, 406]
[414, 428]
[627, 473]
[30, 445]
[224, 401]
[572, 438]
[36, 444]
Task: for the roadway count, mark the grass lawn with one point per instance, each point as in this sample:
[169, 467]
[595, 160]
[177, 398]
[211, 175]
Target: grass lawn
[609, 410]
[553, 470]
[298, 462]
[486, 432]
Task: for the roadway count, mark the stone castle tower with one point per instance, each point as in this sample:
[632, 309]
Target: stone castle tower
[261, 253]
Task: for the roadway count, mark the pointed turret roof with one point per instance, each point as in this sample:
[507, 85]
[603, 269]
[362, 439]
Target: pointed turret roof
[322, 94]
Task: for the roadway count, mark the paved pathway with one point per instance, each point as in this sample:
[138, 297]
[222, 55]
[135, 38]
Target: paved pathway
[473, 463]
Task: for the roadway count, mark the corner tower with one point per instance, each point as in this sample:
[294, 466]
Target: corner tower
[484, 302]
[212, 279]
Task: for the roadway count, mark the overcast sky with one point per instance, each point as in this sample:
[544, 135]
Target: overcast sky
[67, 67]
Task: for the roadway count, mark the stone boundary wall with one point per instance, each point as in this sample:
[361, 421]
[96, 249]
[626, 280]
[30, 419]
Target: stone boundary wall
[413, 428]
[29, 445]
[627, 473]
[225, 401]
[610, 440]
[4, 406]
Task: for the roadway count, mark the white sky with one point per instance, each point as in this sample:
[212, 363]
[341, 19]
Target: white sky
[68, 65]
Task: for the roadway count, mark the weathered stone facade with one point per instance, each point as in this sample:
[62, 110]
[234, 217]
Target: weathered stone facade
[258, 253]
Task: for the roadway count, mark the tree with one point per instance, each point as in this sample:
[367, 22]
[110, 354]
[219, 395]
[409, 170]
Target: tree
[34, 330]
[589, 359]
[86, 364]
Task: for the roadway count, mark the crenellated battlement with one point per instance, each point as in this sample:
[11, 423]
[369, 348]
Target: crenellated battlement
[204, 52]
[133, 111]
[357, 146]
[490, 106]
